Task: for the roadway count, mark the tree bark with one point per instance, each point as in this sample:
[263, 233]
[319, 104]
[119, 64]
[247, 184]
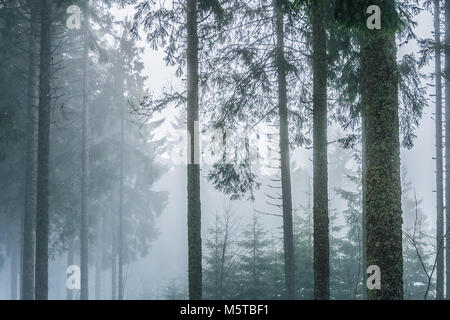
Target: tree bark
[439, 160]
[27, 283]
[447, 143]
[84, 230]
[14, 267]
[363, 178]
[70, 261]
[114, 260]
[288, 230]
[320, 180]
[193, 166]
[98, 260]
[363, 205]
[121, 191]
[383, 188]
[42, 216]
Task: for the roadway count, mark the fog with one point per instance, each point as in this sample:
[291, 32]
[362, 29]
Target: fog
[156, 191]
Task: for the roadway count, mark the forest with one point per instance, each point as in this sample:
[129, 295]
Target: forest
[224, 150]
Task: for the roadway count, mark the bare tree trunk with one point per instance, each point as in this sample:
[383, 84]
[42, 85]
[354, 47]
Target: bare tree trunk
[363, 177]
[84, 242]
[70, 261]
[27, 283]
[439, 160]
[193, 166]
[383, 196]
[363, 206]
[42, 216]
[288, 230]
[14, 267]
[447, 141]
[98, 260]
[114, 260]
[320, 180]
[121, 191]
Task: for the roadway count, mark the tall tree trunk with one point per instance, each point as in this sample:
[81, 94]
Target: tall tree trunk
[447, 143]
[439, 160]
[288, 231]
[320, 180]
[363, 205]
[383, 188]
[84, 230]
[363, 176]
[193, 166]
[27, 283]
[121, 191]
[42, 216]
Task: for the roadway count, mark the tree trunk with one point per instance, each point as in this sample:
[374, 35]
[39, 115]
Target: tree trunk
[114, 260]
[70, 261]
[98, 260]
[84, 242]
[27, 283]
[383, 188]
[320, 180]
[363, 205]
[121, 190]
[14, 267]
[447, 143]
[288, 236]
[363, 178]
[193, 166]
[42, 216]
[439, 160]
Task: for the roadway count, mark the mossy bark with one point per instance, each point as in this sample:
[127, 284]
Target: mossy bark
[320, 171]
[383, 188]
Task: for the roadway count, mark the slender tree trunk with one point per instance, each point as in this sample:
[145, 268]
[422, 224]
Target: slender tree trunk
[439, 160]
[98, 260]
[289, 260]
[114, 260]
[193, 165]
[363, 178]
[320, 180]
[21, 228]
[383, 188]
[27, 290]
[84, 242]
[121, 191]
[447, 143]
[14, 267]
[70, 261]
[363, 205]
[42, 216]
